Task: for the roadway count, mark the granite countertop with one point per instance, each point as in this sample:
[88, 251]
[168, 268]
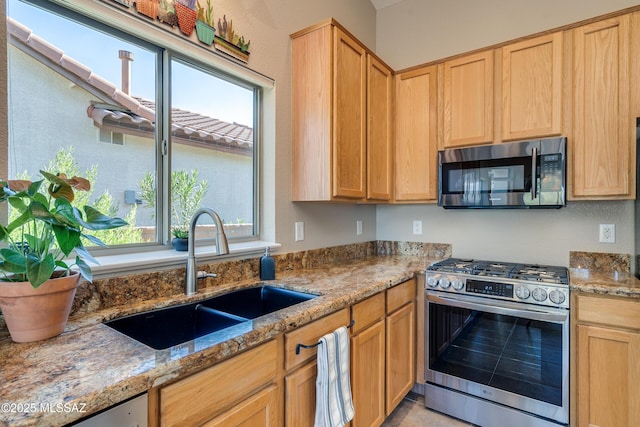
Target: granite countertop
[604, 283]
[91, 367]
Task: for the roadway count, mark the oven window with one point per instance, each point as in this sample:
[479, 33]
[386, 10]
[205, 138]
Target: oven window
[509, 353]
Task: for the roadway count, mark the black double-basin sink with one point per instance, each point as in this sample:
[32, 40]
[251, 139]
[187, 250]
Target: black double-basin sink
[170, 326]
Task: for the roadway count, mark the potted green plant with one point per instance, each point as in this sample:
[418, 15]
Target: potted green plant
[37, 280]
[205, 29]
[180, 240]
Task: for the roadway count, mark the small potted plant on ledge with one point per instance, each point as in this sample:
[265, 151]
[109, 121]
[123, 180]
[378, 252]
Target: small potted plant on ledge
[204, 24]
[180, 240]
[37, 282]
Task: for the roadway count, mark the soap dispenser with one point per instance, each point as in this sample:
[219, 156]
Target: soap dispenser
[267, 266]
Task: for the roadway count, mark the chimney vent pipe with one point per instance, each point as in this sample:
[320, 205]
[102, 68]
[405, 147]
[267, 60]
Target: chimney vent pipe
[126, 57]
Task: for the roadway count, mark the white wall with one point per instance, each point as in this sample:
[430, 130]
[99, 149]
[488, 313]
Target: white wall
[413, 32]
[543, 236]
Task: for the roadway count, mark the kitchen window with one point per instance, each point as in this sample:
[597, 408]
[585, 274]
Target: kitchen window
[187, 130]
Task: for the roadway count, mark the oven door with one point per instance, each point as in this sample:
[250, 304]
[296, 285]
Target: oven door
[512, 354]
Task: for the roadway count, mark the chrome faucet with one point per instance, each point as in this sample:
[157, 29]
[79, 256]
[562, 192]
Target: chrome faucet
[222, 248]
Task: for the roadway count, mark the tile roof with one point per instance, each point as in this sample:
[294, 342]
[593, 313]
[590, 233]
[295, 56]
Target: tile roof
[128, 110]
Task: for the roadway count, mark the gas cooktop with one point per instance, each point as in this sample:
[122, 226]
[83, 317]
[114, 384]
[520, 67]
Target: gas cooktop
[528, 272]
[521, 283]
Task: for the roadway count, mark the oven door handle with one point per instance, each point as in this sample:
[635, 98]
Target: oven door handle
[544, 316]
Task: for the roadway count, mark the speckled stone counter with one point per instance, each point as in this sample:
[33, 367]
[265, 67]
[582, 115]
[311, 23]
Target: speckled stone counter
[605, 283]
[91, 367]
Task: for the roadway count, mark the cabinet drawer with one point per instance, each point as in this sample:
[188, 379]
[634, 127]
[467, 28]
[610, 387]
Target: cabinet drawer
[400, 295]
[310, 334]
[368, 311]
[202, 396]
[623, 313]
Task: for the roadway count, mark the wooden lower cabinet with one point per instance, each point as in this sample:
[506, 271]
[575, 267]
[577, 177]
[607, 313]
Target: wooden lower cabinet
[383, 353]
[607, 362]
[221, 391]
[368, 375]
[608, 377]
[300, 396]
[400, 343]
[301, 369]
[260, 410]
[400, 357]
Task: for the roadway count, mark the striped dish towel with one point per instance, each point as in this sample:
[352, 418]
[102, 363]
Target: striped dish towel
[334, 407]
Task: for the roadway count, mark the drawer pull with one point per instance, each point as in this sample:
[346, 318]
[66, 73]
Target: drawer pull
[299, 346]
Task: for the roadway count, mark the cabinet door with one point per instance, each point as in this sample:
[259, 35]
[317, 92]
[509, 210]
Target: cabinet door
[260, 410]
[367, 375]
[349, 132]
[300, 396]
[311, 59]
[602, 144]
[416, 135]
[401, 352]
[532, 88]
[204, 395]
[379, 130]
[608, 377]
[468, 100]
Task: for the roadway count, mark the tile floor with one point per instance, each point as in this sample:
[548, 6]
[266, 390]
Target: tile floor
[412, 413]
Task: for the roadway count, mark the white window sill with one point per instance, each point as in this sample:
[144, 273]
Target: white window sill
[124, 264]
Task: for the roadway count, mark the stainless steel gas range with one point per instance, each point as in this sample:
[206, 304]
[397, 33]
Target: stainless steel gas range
[497, 342]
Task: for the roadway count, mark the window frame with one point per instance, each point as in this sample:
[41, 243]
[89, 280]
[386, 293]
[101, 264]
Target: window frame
[100, 17]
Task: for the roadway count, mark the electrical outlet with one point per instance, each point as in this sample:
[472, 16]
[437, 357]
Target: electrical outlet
[299, 231]
[358, 228]
[417, 227]
[607, 233]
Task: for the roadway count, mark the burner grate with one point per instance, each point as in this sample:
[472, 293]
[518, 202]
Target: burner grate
[533, 273]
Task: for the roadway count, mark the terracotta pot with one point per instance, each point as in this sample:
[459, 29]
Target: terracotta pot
[186, 19]
[37, 314]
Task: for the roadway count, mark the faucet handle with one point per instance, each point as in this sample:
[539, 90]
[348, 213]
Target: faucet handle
[203, 274]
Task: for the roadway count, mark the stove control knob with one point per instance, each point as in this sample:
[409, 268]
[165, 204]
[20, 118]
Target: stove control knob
[539, 294]
[523, 292]
[432, 281]
[445, 283]
[457, 284]
[557, 297]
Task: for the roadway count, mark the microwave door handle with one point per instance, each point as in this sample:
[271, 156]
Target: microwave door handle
[534, 181]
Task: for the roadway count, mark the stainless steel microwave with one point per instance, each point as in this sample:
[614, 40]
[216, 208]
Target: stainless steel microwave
[526, 174]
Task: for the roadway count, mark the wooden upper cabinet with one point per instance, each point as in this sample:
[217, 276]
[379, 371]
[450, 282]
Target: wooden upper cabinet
[602, 145]
[328, 115]
[311, 83]
[532, 88]
[349, 117]
[341, 101]
[468, 100]
[416, 135]
[379, 130]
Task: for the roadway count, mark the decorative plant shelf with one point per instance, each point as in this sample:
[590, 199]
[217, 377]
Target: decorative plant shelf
[183, 18]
